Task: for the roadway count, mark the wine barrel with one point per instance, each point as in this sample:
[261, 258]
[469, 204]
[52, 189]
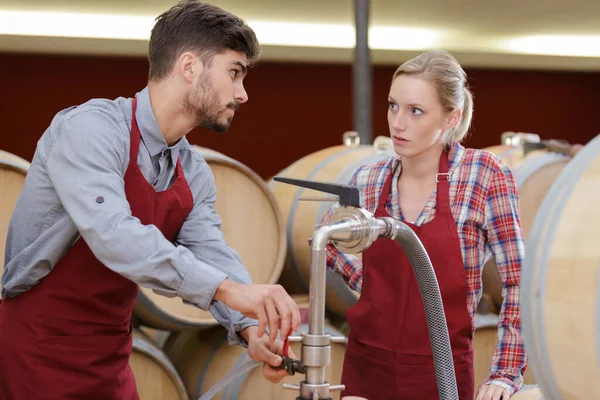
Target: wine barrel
[155, 376]
[203, 358]
[511, 155]
[158, 336]
[253, 226]
[336, 165]
[534, 174]
[560, 283]
[13, 170]
[485, 341]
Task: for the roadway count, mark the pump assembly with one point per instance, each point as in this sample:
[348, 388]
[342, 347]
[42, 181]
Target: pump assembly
[353, 229]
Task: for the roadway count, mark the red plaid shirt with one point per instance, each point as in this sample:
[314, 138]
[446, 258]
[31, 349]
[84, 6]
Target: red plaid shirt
[485, 205]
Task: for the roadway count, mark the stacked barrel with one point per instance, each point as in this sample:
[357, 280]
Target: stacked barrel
[560, 289]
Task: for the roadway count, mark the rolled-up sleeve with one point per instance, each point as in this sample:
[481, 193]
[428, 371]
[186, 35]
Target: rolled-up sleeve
[202, 234]
[85, 165]
[506, 241]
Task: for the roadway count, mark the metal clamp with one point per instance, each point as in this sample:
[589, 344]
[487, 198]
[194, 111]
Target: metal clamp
[292, 366]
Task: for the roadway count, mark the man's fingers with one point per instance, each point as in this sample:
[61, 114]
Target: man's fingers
[273, 374]
[262, 350]
[296, 319]
[273, 318]
[291, 354]
[284, 312]
[262, 321]
[272, 357]
[276, 346]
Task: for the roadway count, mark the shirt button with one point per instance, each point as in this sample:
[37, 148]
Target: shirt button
[99, 199]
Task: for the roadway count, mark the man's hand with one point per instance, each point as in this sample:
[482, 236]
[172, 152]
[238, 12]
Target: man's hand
[269, 304]
[492, 392]
[260, 348]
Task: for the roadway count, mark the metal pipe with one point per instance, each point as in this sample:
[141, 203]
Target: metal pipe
[318, 261]
[315, 375]
[362, 73]
[316, 345]
[316, 314]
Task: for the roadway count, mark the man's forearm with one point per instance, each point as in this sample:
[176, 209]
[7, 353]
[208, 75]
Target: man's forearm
[223, 291]
[249, 331]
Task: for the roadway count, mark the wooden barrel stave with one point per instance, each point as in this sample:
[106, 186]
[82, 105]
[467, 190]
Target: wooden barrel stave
[155, 375]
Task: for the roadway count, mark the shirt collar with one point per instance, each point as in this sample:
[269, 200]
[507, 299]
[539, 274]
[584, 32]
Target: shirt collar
[149, 129]
[455, 154]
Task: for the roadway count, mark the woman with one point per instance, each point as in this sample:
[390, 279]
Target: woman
[463, 205]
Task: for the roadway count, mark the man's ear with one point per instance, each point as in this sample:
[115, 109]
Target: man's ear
[189, 66]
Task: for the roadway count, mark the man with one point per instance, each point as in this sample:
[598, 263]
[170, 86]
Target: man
[116, 198]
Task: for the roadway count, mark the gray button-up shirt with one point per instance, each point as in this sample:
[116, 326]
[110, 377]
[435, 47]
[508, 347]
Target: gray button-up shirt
[83, 155]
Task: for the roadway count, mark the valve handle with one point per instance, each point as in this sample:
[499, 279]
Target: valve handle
[349, 195]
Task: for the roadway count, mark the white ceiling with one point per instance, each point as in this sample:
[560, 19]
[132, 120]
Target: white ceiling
[471, 27]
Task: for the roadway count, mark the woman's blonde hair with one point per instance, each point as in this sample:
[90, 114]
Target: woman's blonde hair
[450, 80]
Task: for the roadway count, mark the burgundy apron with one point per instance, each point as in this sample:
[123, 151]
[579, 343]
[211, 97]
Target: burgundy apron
[70, 336]
[389, 352]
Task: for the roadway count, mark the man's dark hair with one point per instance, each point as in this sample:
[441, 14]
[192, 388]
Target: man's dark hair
[201, 28]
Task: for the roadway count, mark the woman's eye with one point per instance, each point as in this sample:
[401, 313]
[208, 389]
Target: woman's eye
[393, 106]
[417, 111]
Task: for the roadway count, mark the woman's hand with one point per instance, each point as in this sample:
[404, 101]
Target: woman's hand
[492, 392]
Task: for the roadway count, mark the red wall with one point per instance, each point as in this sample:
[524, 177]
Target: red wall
[294, 109]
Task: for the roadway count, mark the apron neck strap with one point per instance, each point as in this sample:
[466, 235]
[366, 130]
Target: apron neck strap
[135, 135]
[441, 178]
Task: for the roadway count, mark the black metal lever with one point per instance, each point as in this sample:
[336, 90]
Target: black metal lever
[557, 146]
[531, 146]
[349, 195]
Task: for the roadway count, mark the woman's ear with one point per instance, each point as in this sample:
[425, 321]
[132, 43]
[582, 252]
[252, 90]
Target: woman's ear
[453, 119]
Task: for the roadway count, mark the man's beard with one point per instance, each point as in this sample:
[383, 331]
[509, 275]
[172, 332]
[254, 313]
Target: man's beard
[203, 102]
